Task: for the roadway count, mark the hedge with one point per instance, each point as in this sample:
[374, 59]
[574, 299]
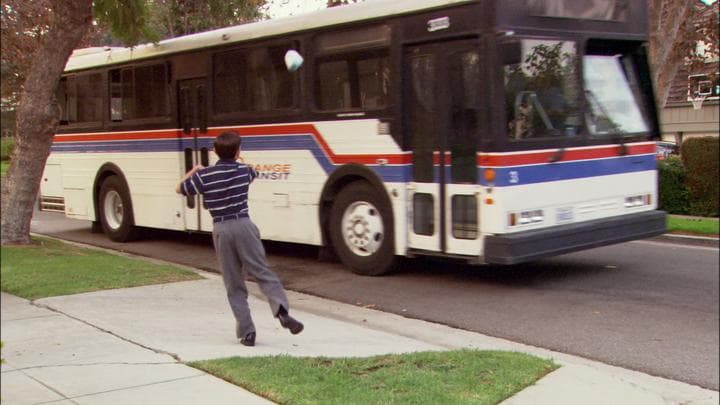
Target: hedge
[674, 196]
[700, 158]
[7, 145]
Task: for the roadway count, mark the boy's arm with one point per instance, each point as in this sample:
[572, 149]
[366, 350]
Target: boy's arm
[178, 187]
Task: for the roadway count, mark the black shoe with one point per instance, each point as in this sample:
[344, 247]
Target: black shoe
[288, 322]
[249, 339]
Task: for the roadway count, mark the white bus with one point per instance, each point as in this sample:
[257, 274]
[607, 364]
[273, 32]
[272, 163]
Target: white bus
[492, 131]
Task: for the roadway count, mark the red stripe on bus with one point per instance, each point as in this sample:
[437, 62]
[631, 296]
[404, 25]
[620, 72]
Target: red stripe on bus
[530, 158]
[270, 130]
[119, 136]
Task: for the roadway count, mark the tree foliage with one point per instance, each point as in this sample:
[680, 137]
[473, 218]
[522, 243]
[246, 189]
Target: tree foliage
[128, 21]
[23, 27]
[676, 27]
[172, 18]
[38, 38]
[26, 23]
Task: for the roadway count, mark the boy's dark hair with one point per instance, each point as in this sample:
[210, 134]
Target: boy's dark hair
[227, 144]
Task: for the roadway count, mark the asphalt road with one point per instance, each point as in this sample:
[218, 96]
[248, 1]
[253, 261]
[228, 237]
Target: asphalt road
[646, 306]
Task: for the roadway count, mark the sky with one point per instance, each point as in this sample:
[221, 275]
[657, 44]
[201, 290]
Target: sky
[284, 8]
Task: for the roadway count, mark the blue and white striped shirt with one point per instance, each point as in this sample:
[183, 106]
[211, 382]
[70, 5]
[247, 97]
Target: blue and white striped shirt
[224, 186]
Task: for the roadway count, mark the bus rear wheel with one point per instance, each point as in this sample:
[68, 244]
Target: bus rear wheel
[361, 230]
[115, 208]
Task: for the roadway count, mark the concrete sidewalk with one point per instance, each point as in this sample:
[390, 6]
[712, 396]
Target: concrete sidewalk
[128, 347]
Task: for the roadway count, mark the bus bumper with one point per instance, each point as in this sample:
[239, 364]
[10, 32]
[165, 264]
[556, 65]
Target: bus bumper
[532, 245]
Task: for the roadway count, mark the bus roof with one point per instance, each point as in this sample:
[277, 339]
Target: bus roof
[370, 9]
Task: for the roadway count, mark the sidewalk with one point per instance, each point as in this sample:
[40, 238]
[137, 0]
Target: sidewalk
[128, 347]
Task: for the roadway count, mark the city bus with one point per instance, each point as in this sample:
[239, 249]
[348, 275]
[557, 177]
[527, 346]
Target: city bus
[494, 132]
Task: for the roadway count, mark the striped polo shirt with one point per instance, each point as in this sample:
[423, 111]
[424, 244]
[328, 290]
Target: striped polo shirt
[224, 186]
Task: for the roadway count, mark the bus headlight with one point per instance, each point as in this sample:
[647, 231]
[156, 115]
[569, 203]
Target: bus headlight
[638, 200]
[526, 217]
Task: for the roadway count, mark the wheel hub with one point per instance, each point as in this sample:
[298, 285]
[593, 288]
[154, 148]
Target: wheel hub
[114, 211]
[363, 228]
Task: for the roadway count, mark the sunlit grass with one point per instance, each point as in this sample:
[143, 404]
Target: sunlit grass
[451, 377]
[50, 268]
[697, 226]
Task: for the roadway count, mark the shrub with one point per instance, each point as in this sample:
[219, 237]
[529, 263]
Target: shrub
[7, 145]
[674, 197]
[700, 157]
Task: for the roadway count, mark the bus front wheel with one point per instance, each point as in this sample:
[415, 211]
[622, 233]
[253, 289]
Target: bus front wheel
[116, 213]
[361, 230]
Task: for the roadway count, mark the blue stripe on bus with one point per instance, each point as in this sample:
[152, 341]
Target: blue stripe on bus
[522, 175]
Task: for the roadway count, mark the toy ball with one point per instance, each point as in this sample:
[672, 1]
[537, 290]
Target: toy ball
[293, 60]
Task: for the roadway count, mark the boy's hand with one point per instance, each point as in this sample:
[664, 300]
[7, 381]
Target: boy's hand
[187, 176]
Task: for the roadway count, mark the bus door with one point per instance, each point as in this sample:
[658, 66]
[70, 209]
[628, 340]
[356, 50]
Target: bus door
[192, 105]
[441, 122]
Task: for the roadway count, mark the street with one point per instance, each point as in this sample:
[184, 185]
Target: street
[646, 306]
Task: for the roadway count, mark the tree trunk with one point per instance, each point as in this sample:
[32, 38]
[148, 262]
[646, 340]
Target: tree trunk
[38, 116]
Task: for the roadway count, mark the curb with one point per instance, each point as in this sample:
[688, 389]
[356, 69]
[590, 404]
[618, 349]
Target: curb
[687, 240]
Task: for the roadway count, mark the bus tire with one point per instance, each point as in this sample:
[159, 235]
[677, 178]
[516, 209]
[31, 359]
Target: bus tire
[116, 212]
[361, 230]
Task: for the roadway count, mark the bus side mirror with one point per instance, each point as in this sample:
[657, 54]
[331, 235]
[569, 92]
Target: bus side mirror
[510, 53]
[293, 60]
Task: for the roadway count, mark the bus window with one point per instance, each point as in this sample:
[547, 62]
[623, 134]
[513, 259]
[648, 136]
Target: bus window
[612, 92]
[422, 116]
[353, 81]
[542, 92]
[63, 97]
[139, 92]
[465, 106]
[90, 98]
[611, 10]
[253, 80]
[81, 99]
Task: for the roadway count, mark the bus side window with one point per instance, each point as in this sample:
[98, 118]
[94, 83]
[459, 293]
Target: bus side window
[254, 79]
[353, 81]
[139, 92]
[353, 69]
[62, 98]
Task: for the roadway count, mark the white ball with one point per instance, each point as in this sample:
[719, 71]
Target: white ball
[293, 60]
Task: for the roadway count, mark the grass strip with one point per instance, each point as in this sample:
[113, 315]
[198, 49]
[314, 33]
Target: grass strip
[50, 267]
[4, 167]
[694, 226]
[451, 377]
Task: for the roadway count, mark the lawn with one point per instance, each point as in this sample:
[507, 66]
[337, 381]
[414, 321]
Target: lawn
[693, 226]
[50, 268]
[4, 166]
[451, 377]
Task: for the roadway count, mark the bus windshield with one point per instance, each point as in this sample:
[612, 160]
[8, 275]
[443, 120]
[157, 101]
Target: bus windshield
[541, 91]
[610, 93]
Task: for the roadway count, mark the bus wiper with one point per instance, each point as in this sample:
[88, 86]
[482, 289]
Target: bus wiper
[620, 139]
[614, 128]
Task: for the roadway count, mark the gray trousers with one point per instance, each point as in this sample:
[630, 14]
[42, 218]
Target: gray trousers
[240, 252]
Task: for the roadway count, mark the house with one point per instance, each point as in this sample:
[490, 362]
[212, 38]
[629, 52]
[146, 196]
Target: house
[680, 119]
